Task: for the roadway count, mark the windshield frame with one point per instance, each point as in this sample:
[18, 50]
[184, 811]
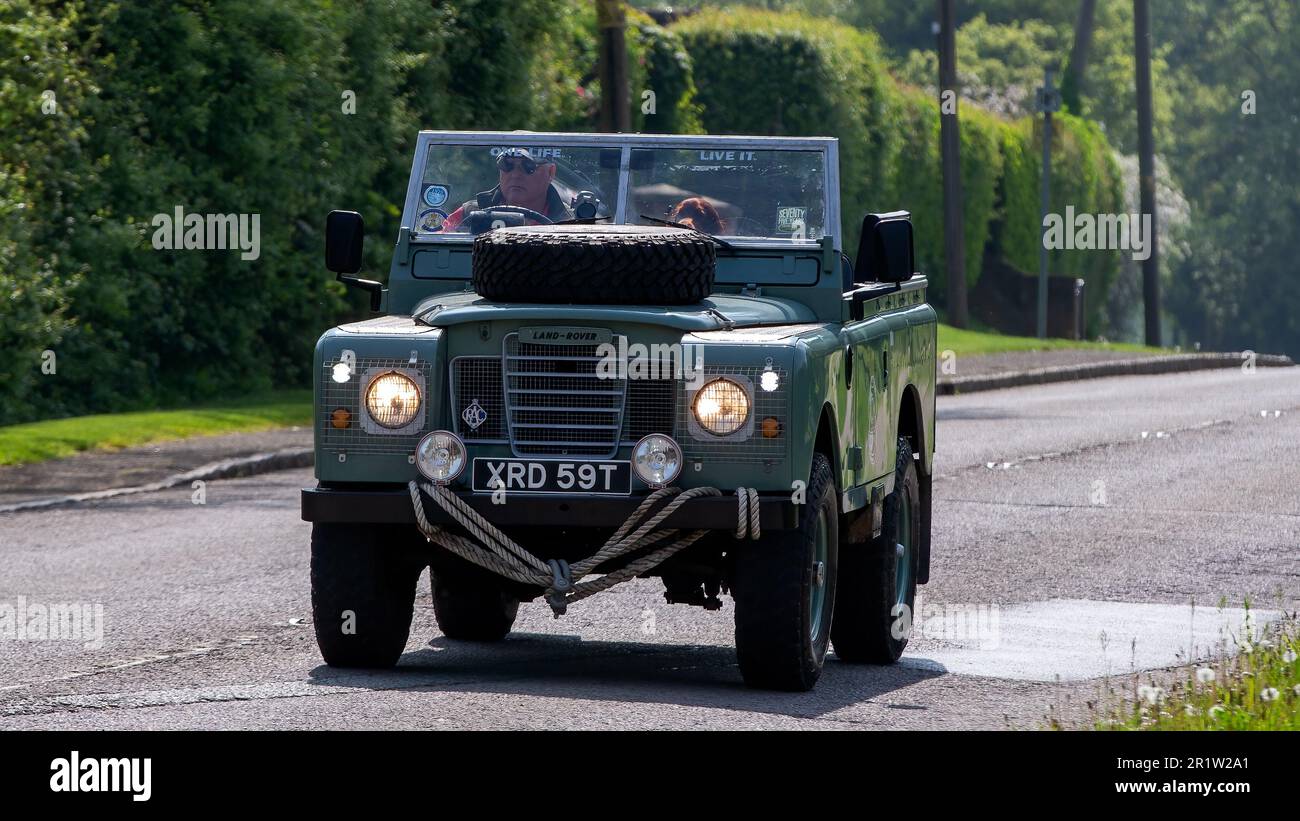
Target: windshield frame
[827, 146]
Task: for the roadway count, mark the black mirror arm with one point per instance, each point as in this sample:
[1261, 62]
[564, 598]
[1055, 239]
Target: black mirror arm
[376, 289]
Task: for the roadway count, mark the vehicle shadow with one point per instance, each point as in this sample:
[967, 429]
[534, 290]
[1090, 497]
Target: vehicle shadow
[546, 665]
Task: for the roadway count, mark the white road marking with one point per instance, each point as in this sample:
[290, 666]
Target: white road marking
[1074, 640]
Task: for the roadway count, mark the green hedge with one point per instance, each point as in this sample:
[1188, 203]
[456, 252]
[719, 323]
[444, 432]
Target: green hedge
[1084, 175]
[658, 62]
[229, 106]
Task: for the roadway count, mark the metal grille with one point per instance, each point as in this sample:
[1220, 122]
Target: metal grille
[556, 402]
[346, 396]
[651, 408]
[757, 449]
[478, 379]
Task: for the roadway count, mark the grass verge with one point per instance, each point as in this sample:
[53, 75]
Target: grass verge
[54, 438]
[973, 343]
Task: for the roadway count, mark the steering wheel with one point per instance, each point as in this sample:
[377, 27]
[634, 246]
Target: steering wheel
[519, 209]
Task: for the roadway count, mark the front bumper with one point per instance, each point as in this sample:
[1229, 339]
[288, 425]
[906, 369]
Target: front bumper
[392, 505]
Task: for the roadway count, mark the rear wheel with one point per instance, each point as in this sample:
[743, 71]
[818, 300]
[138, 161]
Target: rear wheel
[469, 606]
[784, 587]
[363, 581]
[877, 596]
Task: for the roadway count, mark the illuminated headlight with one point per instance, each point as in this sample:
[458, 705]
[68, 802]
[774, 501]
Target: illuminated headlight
[657, 460]
[392, 400]
[440, 456]
[721, 407]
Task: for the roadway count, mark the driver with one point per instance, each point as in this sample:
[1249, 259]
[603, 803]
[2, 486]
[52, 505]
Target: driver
[522, 181]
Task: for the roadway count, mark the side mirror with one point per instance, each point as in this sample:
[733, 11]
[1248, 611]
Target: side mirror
[885, 250]
[345, 232]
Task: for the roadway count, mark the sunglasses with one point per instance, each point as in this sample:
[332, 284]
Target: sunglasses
[508, 165]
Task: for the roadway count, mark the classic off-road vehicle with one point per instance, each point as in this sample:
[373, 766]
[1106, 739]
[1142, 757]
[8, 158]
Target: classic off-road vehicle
[605, 357]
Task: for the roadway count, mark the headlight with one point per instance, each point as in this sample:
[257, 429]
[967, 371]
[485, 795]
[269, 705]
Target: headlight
[657, 460]
[440, 456]
[721, 407]
[393, 400]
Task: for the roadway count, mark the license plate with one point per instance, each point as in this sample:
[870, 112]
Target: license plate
[552, 476]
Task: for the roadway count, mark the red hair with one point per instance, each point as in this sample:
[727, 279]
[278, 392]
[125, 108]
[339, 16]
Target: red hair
[698, 213]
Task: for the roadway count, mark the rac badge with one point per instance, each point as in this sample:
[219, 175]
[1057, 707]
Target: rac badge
[474, 415]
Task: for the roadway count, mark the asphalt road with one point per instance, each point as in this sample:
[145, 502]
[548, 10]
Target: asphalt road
[1058, 507]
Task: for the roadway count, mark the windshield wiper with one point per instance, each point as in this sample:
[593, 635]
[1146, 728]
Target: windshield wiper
[722, 243]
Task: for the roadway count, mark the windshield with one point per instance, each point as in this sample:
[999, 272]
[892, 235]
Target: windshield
[775, 194]
[763, 189]
[555, 181]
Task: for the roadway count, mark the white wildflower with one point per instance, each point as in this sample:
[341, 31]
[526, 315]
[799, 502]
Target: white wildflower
[1268, 694]
[1205, 674]
[1151, 694]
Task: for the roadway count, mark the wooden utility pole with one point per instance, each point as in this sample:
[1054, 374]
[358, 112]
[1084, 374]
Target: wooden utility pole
[611, 23]
[954, 245]
[1048, 102]
[1147, 169]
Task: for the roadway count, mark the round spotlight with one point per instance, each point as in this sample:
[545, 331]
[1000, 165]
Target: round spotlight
[769, 381]
[657, 460]
[721, 407]
[440, 456]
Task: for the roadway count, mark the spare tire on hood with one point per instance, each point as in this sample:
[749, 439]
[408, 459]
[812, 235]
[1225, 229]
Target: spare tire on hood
[594, 265]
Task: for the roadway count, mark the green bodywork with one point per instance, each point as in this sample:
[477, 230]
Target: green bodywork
[852, 385]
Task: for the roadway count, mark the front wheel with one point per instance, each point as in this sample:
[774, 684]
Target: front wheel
[363, 581]
[874, 612]
[784, 587]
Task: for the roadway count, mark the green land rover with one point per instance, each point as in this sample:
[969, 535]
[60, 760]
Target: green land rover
[601, 357]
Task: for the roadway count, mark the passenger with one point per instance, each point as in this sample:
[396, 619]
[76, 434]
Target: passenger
[698, 213]
[522, 181]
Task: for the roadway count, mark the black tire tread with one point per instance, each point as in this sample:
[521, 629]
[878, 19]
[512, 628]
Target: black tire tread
[772, 644]
[861, 632]
[594, 264]
[368, 570]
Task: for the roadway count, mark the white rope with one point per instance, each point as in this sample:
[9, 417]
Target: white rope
[497, 552]
[747, 516]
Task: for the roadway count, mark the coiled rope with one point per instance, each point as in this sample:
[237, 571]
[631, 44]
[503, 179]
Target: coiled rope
[495, 551]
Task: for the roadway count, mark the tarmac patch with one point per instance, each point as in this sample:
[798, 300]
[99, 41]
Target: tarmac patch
[1075, 640]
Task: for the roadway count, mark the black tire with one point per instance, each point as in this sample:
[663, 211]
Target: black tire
[471, 607]
[772, 581]
[363, 581]
[594, 264]
[869, 626]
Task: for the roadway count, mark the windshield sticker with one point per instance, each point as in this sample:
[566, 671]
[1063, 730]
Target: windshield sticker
[534, 152]
[714, 155]
[788, 218]
[436, 195]
[430, 221]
